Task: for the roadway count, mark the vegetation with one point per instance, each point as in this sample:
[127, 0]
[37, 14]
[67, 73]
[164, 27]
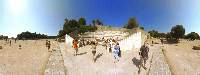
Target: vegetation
[3, 37]
[31, 36]
[132, 23]
[154, 33]
[192, 36]
[97, 22]
[142, 28]
[82, 21]
[177, 32]
[73, 27]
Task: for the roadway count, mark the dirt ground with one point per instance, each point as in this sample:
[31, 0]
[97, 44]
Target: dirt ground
[29, 60]
[183, 60]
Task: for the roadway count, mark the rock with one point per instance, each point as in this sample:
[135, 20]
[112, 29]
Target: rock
[1, 47]
[196, 47]
[20, 47]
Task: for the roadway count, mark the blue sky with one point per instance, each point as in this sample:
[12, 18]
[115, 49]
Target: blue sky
[47, 16]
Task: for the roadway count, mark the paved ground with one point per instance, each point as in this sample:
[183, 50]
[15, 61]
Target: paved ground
[55, 65]
[104, 65]
[159, 65]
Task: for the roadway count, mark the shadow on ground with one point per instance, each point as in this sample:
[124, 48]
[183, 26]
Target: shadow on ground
[136, 62]
[82, 53]
[98, 56]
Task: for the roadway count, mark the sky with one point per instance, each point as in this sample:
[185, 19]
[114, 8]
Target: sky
[47, 16]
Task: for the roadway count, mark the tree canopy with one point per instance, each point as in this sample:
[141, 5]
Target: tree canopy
[82, 21]
[132, 23]
[97, 22]
[177, 32]
[74, 27]
[154, 33]
[3, 37]
[31, 36]
[192, 36]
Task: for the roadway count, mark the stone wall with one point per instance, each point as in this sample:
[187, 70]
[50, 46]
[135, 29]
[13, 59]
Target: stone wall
[133, 41]
[68, 41]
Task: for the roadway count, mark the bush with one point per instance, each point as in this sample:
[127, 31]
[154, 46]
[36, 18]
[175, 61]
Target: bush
[192, 36]
[132, 23]
[73, 27]
[31, 36]
[154, 33]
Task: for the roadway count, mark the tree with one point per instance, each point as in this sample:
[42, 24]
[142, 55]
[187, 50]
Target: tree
[71, 26]
[192, 36]
[93, 22]
[132, 23]
[61, 33]
[31, 36]
[154, 33]
[97, 22]
[162, 35]
[142, 28]
[82, 21]
[177, 32]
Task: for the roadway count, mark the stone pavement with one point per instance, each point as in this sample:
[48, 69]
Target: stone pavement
[82, 64]
[159, 65]
[63, 62]
[55, 65]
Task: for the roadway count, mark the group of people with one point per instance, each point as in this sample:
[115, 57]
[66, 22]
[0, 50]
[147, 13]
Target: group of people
[111, 45]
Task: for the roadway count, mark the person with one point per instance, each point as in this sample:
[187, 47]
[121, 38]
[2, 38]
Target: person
[10, 42]
[75, 46]
[110, 47]
[144, 50]
[116, 52]
[46, 43]
[162, 41]
[15, 40]
[49, 45]
[93, 49]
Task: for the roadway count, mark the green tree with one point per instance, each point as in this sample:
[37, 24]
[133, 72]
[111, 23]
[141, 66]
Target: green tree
[61, 33]
[71, 26]
[82, 21]
[154, 33]
[142, 28]
[177, 32]
[132, 23]
[98, 22]
[93, 22]
[192, 36]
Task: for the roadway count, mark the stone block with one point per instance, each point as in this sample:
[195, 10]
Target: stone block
[1, 47]
[196, 47]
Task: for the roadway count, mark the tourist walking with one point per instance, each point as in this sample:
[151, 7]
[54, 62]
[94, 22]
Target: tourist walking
[10, 42]
[49, 45]
[162, 41]
[93, 49]
[116, 52]
[144, 50]
[75, 46]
